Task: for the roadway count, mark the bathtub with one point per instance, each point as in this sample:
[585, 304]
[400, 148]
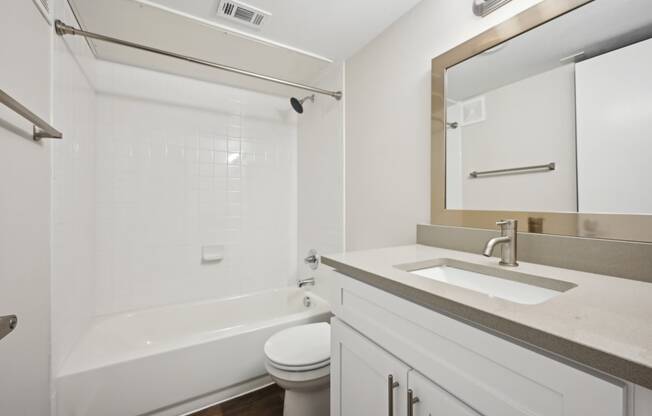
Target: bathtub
[174, 359]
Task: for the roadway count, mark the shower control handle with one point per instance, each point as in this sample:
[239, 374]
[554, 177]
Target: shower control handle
[312, 260]
[391, 385]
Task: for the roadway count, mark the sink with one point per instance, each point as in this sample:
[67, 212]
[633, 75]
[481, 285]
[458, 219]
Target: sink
[506, 284]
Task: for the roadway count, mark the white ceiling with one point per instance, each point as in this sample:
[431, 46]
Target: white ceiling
[300, 40]
[594, 29]
[334, 29]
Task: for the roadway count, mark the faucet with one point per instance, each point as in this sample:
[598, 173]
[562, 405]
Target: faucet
[507, 241]
[304, 282]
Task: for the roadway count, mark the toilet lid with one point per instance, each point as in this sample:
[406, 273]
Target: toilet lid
[300, 346]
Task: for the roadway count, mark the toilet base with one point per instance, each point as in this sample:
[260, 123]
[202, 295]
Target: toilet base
[307, 393]
[311, 402]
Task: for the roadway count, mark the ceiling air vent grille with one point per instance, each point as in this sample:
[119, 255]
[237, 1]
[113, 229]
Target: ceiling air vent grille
[242, 13]
[44, 7]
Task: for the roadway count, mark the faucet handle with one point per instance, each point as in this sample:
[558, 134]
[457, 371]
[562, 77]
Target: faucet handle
[312, 260]
[502, 223]
[507, 225]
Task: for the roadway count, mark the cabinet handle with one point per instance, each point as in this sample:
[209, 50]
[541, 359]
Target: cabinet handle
[411, 400]
[391, 385]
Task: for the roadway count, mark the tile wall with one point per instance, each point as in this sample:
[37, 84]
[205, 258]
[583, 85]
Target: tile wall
[73, 191]
[156, 166]
[321, 174]
[182, 164]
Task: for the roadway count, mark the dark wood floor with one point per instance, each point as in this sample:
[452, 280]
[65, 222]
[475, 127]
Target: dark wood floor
[263, 402]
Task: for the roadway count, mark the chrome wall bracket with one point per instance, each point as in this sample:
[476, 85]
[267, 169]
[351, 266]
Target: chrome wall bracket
[42, 129]
[484, 7]
[7, 324]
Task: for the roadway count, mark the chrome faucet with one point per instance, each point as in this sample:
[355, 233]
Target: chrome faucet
[507, 241]
[304, 282]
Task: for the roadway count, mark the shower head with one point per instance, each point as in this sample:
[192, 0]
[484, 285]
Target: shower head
[297, 104]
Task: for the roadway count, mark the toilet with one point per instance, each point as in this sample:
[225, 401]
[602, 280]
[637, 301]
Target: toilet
[298, 360]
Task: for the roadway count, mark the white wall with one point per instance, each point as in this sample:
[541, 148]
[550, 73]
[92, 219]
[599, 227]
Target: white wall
[454, 166]
[388, 119]
[24, 213]
[614, 120]
[321, 172]
[73, 191]
[183, 163]
[529, 122]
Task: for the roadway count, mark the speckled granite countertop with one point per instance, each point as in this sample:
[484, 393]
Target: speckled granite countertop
[604, 323]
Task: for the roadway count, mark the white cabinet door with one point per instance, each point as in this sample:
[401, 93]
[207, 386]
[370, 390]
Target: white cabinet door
[360, 376]
[431, 400]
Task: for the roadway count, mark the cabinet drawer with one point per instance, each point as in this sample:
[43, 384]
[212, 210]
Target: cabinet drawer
[493, 376]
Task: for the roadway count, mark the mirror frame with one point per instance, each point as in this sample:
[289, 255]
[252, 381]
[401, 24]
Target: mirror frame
[630, 227]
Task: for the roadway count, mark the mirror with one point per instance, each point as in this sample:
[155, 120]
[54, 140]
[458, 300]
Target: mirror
[550, 112]
[557, 119]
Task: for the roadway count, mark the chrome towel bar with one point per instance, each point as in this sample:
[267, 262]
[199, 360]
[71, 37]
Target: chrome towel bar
[547, 167]
[42, 130]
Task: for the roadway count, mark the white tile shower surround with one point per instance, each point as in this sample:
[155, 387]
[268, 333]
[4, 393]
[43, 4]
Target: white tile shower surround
[181, 164]
[321, 174]
[129, 219]
[73, 191]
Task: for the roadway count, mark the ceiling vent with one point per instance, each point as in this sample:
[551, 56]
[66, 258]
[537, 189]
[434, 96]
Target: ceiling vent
[44, 7]
[242, 13]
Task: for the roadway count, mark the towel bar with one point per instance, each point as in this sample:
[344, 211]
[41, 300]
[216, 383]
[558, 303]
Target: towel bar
[42, 130]
[547, 166]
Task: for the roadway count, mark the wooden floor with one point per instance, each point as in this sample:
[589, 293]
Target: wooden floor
[263, 402]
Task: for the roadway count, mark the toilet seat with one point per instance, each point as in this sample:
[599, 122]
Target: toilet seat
[299, 349]
[309, 367]
[306, 379]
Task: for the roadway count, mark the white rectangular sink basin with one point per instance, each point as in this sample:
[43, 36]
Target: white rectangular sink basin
[500, 283]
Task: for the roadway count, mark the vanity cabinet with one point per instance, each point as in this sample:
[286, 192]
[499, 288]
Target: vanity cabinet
[431, 400]
[366, 380]
[452, 367]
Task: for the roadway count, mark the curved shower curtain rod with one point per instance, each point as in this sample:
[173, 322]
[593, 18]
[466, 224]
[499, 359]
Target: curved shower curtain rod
[64, 29]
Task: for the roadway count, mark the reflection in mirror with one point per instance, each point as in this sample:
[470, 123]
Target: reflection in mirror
[557, 119]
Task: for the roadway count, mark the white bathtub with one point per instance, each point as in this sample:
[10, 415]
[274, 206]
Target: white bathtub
[173, 359]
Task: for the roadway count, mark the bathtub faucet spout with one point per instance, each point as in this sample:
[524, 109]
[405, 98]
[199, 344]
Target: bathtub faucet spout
[308, 281]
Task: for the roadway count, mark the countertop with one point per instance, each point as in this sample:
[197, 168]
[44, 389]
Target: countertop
[604, 323]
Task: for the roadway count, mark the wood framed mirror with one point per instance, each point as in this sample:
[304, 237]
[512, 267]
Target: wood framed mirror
[543, 119]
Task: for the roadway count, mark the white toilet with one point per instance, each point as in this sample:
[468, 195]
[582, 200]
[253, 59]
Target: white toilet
[298, 360]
